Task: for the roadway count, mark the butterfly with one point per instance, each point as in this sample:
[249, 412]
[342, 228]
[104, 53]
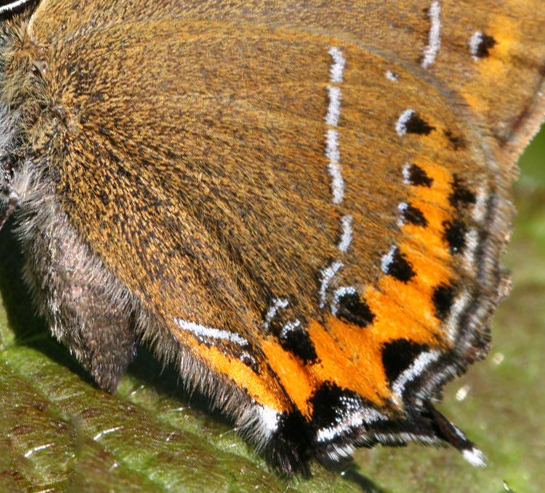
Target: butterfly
[301, 206]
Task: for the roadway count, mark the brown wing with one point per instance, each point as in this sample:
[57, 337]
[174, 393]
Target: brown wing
[311, 198]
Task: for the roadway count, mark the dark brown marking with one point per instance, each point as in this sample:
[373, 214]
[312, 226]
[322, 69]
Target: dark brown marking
[354, 310]
[443, 298]
[456, 141]
[398, 355]
[461, 194]
[484, 47]
[413, 215]
[416, 125]
[298, 342]
[455, 235]
[418, 177]
[399, 267]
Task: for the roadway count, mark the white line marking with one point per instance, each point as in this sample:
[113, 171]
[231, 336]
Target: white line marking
[327, 276]
[402, 208]
[334, 109]
[474, 44]
[210, 333]
[459, 305]
[418, 366]
[12, 6]
[346, 235]
[277, 305]
[334, 167]
[290, 327]
[434, 41]
[388, 259]
[407, 174]
[337, 69]
[401, 125]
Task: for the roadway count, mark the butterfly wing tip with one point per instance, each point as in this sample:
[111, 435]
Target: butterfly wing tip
[475, 457]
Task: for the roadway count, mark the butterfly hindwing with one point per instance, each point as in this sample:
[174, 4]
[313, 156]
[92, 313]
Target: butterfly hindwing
[310, 213]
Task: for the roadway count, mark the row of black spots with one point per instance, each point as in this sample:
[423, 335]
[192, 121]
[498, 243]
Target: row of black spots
[398, 356]
[417, 177]
[353, 309]
[412, 215]
[396, 264]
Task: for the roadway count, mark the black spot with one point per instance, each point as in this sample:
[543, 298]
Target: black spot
[399, 267]
[354, 310]
[418, 177]
[298, 342]
[290, 447]
[415, 125]
[398, 355]
[456, 141]
[486, 44]
[331, 403]
[443, 298]
[461, 194]
[413, 215]
[455, 235]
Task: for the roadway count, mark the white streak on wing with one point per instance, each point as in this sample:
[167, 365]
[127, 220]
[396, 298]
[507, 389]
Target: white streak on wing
[277, 305]
[401, 125]
[210, 333]
[13, 6]
[346, 236]
[334, 108]
[434, 40]
[388, 259]
[334, 167]
[402, 208]
[474, 44]
[290, 327]
[479, 209]
[354, 420]
[417, 367]
[407, 174]
[327, 276]
[391, 76]
[472, 242]
[337, 69]
[459, 305]
[339, 293]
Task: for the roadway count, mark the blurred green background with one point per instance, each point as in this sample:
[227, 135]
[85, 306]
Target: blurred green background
[59, 433]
